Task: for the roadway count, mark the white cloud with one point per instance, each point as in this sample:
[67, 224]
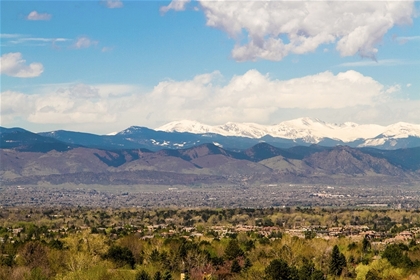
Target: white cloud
[403, 40]
[107, 49]
[84, 42]
[383, 62]
[34, 15]
[9, 36]
[12, 64]
[76, 104]
[275, 29]
[29, 41]
[176, 5]
[251, 97]
[114, 4]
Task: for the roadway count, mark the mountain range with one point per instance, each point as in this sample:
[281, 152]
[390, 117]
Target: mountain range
[312, 131]
[239, 136]
[80, 158]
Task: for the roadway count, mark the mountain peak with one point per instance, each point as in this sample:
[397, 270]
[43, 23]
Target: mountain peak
[185, 126]
[132, 130]
[309, 130]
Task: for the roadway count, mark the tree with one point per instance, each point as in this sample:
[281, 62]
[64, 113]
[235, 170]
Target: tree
[233, 250]
[235, 267]
[34, 254]
[338, 262]
[372, 275]
[306, 270]
[247, 264]
[278, 270]
[167, 275]
[317, 275]
[310, 234]
[143, 275]
[154, 255]
[157, 276]
[394, 254]
[365, 244]
[121, 256]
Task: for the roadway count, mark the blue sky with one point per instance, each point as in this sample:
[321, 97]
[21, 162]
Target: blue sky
[101, 66]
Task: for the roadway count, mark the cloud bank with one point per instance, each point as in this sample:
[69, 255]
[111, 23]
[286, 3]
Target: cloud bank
[251, 97]
[271, 30]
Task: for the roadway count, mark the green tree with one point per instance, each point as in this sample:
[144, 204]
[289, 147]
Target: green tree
[310, 234]
[167, 275]
[395, 255]
[338, 262]
[278, 270]
[235, 267]
[306, 270]
[154, 255]
[365, 244]
[143, 275]
[372, 275]
[233, 250]
[157, 276]
[247, 264]
[121, 256]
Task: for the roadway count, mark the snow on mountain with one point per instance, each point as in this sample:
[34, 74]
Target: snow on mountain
[307, 129]
[402, 130]
[189, 126]
[131, 130]
[392, 133]
[313, 130]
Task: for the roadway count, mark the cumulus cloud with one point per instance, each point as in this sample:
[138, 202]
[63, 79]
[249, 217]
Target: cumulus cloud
[176, 5]
[84, 42]
[209, 98]
[78, 104]
[275, 29]
[12, 64]
[113, 4]
[34, 15]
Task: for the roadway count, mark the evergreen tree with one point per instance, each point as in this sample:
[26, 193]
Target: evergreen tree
[154, 255]
[121, 256]
[143, 275]
[306, 270]
[235, 268]
[395, 255]
[233, 250]
[167, 275]
[317, 275]
[338, 262]
[157, 276]
[365, 244]
[247, 264]
[278, 270]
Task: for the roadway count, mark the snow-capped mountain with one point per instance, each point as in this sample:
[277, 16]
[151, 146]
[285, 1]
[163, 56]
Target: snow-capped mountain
[307, 129]
[240, 136]
[395, 135]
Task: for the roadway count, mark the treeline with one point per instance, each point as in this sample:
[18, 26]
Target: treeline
[385, 220]
[79, 243]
